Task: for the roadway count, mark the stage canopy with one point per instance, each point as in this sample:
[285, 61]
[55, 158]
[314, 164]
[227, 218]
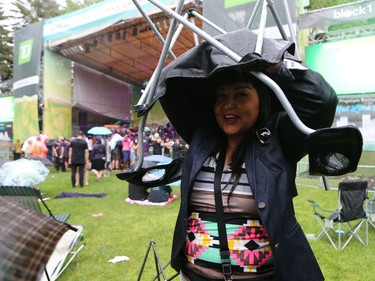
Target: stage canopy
[113, 37]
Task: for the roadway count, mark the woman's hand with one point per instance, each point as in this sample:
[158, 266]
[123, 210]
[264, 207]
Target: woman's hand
[273, 69]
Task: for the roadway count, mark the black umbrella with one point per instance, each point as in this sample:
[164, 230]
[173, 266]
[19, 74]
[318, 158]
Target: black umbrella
[44, 160]
[184, 85]
[27, 240]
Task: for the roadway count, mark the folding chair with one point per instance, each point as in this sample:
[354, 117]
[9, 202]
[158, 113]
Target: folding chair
[68, 246]
[347, 220]
[30, 197]
[370, 210]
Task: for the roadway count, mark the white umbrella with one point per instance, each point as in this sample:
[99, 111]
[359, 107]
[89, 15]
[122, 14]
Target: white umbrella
[23, 172]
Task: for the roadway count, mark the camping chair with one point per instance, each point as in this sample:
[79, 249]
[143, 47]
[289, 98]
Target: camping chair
[64, 253]
[67, 247]
[30, 197]
[349, 217]
[370, 210]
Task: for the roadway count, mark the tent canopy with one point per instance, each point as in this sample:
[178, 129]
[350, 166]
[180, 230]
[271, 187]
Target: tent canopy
[127, 49]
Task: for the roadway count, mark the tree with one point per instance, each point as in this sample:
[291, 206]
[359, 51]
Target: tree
[319, 4]
[23, 13]
[73, 5]
[26, 12]
[6, 46]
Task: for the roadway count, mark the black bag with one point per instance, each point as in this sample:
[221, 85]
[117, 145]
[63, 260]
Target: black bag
[159, 194]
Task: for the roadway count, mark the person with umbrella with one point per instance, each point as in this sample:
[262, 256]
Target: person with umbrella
[98, 158]
[236, 220]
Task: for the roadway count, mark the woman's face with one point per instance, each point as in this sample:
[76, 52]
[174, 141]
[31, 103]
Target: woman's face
[236, 108]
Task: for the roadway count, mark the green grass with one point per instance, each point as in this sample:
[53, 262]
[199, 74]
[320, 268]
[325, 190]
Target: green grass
[126, 230]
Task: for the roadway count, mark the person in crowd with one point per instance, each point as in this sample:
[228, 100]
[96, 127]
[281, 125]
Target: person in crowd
[108, 167]
[89, 141]
[44, 137]
[66, 153]
[179, 148]
[28, 148]
[134, 151]
[167, 147]
[247, 154]
[78, 158]
[17, 149]
[98, 158]
[126, 151]
[157, 144]
[116, 155]
[39, 148]
[59, 155]
[50, 144]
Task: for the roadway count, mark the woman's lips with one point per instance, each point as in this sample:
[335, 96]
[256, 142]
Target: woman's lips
[230, 119]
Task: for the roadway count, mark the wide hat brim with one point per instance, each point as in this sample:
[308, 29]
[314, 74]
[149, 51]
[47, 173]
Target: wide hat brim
[184, 88]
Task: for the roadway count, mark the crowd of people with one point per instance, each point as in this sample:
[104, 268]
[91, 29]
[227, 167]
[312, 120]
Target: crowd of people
[100, 154]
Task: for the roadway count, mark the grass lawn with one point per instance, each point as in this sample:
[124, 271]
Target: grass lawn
[126, 230]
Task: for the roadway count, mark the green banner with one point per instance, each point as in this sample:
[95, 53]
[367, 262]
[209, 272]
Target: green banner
[57, 100]
[347, 64]
[26, 60]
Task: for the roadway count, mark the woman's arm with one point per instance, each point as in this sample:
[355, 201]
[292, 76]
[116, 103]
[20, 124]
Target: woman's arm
[313, 99]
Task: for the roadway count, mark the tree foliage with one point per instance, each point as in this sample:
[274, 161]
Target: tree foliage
[23, 13]
[6, 47]
[319, 4]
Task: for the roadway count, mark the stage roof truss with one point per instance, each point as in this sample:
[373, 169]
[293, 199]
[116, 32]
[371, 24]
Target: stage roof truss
[128, 49]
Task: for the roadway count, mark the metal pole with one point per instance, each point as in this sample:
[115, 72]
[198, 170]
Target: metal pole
[264, 78]
[203, 19]
[254, 13]
[262, 27]
[277, 19]
[290, 25]
[152, 26]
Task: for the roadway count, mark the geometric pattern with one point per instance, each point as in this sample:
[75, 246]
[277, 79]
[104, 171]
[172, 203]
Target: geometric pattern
[248, 243]
[249, 246]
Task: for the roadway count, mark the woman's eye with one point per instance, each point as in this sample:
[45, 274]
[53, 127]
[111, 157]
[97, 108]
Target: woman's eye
[219, 95]
[241, 94]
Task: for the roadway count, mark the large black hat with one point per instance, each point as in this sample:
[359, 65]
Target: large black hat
[184, 85]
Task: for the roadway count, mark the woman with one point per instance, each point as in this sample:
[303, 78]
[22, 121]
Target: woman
[167, 144]
[134, 151]
[17, 149]
[98, 158]
[259, 147]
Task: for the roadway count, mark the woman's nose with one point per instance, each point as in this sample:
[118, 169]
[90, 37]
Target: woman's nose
[230, 102]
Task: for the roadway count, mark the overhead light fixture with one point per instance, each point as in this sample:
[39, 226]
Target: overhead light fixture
[87, 48]
[135, 31]
[101, 39]
[110, 34]
[165, 24]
